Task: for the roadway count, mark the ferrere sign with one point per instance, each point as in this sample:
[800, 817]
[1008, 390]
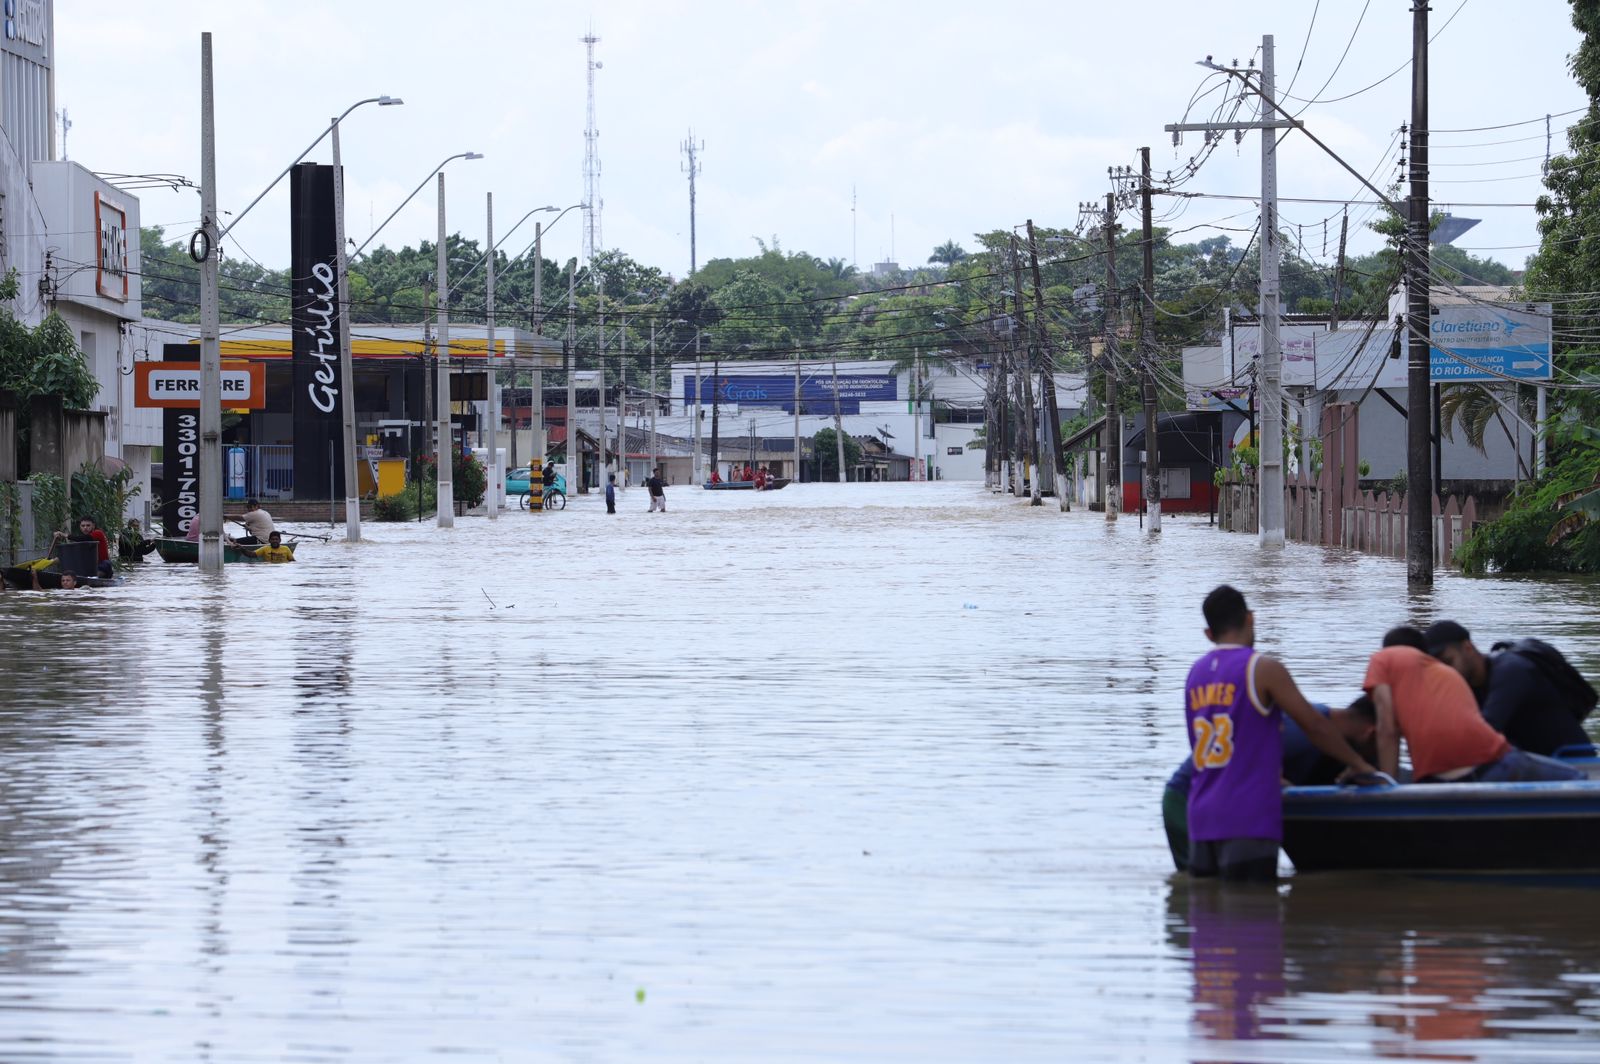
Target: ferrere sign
[177, 384]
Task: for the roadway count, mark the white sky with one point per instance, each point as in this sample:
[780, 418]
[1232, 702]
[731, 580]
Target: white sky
[949, 117]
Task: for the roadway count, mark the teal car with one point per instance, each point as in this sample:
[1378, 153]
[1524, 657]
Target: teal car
[518, 484]
[517, 481]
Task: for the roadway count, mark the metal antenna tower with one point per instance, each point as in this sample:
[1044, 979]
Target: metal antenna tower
[591, 164]
[691, 166]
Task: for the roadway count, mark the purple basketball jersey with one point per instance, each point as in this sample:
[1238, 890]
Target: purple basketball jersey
[1237, 747]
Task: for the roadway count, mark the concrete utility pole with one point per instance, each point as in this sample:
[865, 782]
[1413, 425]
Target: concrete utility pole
[622, 405]
[536, 400]
[210, 414]
[699, 475]
[572, 379]
[492, 407]
[1029, 413]
[1270, 471]
[600, 376]
[347, 374]
[654, 440]
[1147, 354]
[916, 412]
[1047, 381]
[1419, 474]
[797, 421]
[1271, 118]
[716, 374]
[446, 510]
[1004, 458]
[1112, 438]
[838, 421]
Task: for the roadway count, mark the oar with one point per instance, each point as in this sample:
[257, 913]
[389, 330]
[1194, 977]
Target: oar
[305, 535]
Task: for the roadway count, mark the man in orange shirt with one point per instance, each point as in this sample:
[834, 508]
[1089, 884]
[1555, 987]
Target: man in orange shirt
[1426, 702]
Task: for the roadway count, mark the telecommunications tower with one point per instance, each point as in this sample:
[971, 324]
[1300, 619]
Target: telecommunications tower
[591, 165]
[691, 151]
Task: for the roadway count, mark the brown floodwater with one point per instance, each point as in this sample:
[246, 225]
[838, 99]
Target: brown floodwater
[841, 772]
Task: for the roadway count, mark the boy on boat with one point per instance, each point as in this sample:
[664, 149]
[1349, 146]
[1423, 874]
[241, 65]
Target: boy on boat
[1235, 701]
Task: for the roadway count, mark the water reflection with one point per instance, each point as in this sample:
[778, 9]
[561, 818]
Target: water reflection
[1389, 967]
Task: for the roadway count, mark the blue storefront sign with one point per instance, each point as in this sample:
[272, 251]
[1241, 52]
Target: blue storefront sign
[1481, 342]
[777, 390]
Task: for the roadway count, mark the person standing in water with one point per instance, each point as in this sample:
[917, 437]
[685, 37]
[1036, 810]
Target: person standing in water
[1234, 703]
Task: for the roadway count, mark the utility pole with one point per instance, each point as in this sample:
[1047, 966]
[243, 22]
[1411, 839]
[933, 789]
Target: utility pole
[1147, 354]
[492, 407]
[691, 166]
[1029, 412]
[1338, 272]
[1005, 464]
[699, 477]
[1047, 381]
[347, 376]
[916, 412]
[716, 374]
[622, 405]
[1270, 472]
[1270, 119]
[1113, 424]
[536, 400]
[797, 421]
[600, 376]
[838, 422]
[573, 452]
[1419, 474]
[209, 420]
[654, 441]
[445, 512]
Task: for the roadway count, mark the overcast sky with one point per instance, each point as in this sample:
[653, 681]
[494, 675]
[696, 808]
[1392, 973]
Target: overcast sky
[946, 118]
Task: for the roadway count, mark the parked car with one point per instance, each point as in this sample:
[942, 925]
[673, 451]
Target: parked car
[517, 480]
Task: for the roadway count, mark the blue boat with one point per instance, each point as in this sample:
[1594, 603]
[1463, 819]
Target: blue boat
[1451, 828]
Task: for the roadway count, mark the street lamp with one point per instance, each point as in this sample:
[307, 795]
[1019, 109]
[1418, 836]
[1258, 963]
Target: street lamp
[381, 101]
[374, 235]
[210, 415]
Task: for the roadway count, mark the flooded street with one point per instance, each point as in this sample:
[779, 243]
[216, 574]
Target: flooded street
[841, 772]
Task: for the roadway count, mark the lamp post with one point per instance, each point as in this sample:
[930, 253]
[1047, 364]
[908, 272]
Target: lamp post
[347, 393]
[445, 509]
[210, 414]
[536, 405]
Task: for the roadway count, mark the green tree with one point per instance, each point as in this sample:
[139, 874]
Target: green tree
[948, 254]
[1546, 525]
[826, 449]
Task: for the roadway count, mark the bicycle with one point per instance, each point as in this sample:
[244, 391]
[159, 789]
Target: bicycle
[554, 499]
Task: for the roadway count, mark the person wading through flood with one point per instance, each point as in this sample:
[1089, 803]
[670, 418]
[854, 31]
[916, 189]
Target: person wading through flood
[1234, 703]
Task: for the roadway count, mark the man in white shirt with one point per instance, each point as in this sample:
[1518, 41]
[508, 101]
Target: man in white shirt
[256, 521]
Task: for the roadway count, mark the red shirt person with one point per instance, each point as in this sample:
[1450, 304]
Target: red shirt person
[87, 532]
[1424, 701]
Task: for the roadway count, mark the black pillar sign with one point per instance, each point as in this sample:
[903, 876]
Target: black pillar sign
[180, 457]
[318, 425]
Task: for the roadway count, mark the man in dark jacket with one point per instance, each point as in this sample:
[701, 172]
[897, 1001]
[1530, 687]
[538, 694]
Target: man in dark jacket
[1520, 695]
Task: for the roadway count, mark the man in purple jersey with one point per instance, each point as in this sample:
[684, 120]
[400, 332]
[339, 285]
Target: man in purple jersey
[1234, 703]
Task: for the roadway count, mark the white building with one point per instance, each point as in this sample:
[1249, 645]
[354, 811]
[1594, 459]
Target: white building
[72, 238]
[933, 422]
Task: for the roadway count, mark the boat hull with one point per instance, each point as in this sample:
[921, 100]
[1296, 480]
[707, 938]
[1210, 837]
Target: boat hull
[1471, 828]
[187, 551]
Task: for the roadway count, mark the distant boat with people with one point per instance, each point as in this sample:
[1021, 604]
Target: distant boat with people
[773, 484]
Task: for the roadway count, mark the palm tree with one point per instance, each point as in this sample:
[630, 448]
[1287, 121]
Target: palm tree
[841, 270]
[949, 253]
[1474, 407]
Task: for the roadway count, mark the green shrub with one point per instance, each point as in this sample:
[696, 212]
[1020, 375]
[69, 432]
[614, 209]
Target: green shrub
[401, 506]
[469, 482]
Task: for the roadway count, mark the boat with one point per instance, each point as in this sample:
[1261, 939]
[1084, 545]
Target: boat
[178, 551]
[1545, 828]
[20, 578]
[746, 485]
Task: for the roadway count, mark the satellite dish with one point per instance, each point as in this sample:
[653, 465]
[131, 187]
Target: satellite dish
[598, 65]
